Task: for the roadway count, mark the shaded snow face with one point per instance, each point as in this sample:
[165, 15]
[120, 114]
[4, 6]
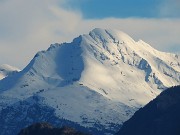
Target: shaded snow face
[98, 80]
[60, 61]
[69, 62]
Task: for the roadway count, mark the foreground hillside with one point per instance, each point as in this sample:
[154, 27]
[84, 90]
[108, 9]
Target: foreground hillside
[94, 83]
[47, 129]
[159, 117]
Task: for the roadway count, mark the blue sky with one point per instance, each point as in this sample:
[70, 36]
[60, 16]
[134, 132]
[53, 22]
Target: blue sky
[116, 8]
[29, 26]
[93, 9]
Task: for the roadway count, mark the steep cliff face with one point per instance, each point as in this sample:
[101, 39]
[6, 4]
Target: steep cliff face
[97, 81]
[159, 117]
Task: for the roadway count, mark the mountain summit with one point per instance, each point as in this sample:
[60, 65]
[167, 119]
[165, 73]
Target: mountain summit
[95, 83]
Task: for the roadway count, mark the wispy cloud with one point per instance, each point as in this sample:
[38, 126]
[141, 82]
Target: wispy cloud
[29, 26]
[170, 8]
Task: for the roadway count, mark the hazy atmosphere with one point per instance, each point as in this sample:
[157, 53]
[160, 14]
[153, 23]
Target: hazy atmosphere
[29, 26]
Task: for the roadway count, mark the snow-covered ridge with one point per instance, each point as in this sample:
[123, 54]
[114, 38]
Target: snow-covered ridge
[103, 76]
[6, 70]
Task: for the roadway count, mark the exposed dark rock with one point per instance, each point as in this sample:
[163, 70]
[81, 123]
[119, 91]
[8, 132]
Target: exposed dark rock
[47, 129]
[22, 114]
[160, 117]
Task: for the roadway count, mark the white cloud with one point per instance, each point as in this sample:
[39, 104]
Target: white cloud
[30, 26]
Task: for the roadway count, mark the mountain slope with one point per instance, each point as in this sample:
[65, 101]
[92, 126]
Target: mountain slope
[159, 117]
[97, 81]
[6, 70]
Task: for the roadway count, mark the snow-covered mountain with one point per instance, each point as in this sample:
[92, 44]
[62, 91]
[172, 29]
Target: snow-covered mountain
[6, 70]
[94, 83]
